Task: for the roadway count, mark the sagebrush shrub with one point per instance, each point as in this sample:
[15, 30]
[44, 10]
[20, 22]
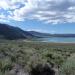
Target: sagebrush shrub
[68, 67]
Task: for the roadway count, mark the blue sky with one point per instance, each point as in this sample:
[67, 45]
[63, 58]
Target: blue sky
[50, 16]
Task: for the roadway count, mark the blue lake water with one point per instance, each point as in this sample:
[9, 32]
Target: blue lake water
[59, 39]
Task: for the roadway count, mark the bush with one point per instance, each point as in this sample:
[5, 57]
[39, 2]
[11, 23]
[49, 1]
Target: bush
[5, 64]
[68, 68]
[42, 70]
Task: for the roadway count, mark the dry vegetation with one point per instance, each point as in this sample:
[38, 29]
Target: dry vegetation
[26, 55]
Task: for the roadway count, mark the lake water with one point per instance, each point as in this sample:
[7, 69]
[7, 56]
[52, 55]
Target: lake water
[59, 39]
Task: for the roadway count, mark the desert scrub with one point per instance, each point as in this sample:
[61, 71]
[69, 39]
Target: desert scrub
[68, 67]
[30, 54]
[1, 73]
[55, 58]
[5, 64]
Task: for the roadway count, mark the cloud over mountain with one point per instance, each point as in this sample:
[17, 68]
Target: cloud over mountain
[49, 11]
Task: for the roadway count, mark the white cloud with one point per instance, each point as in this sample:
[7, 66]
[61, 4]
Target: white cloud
[48, 11]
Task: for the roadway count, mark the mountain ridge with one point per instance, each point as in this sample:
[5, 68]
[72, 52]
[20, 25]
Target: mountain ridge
[40, 34]
[14, 33]
[11, 32]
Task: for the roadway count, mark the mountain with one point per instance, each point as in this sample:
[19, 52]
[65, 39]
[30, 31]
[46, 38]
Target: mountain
[62, 35]
[13, 33]
[10, 32]
[46, 35]
[39, 34]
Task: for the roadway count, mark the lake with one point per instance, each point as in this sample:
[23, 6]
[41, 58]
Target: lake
[58, 39]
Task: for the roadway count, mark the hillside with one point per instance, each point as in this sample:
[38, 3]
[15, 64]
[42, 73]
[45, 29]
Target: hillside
[39, 34]
[14, 33]
[10, 32]
[46, 35]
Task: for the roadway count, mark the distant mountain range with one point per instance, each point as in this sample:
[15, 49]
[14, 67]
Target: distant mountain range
[39, 34]
[13, 33]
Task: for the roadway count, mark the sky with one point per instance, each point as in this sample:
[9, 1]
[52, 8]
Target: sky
[48, 16]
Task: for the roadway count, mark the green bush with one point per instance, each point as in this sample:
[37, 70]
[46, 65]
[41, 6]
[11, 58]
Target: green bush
[68, 67]
[5, 64]
[29, 54]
